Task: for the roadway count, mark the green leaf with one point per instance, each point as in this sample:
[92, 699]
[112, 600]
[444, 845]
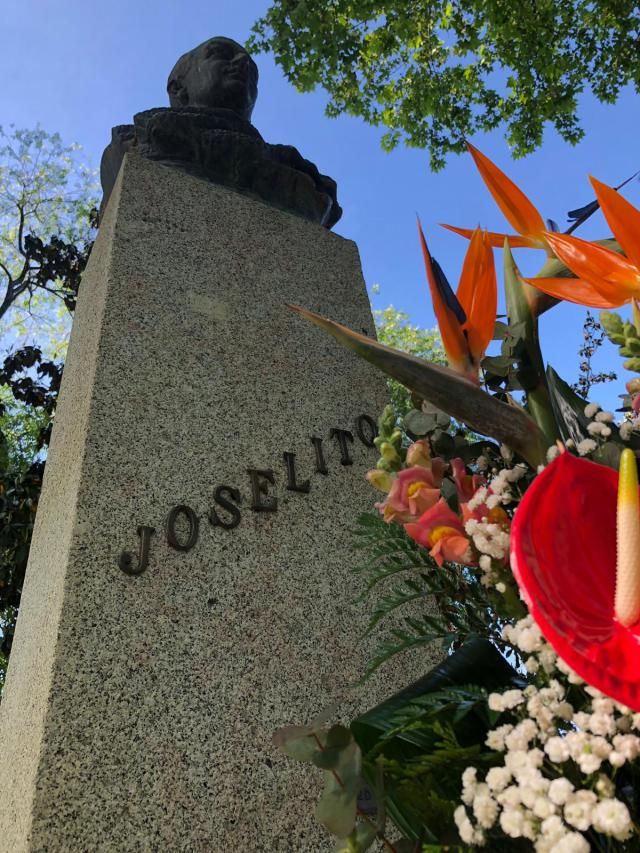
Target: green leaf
[446, 389]
[500, 330]
[337, 807]
[568, 407]
[338, 737]
[435, 724]
[418, 423]
[297, 742]
[500, 365]
[531, 373]
[359, 841]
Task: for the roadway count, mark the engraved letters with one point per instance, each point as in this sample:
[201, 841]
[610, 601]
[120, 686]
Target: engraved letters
[183, 522]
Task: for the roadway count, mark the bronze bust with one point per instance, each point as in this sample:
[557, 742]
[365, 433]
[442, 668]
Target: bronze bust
[207, 132]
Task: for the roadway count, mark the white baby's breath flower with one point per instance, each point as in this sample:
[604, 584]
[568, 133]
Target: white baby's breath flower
[578, 809]
[557, 750]
[512, 821]
[485, 810]
[553, 452]
[611, 817]
[496, 738]
[586, 446]
[572, 842]
[498, 778]
[560, 790]
[625, 430]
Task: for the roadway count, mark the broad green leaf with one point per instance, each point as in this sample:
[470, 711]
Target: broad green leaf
[297, 742]
[337, 807]
[445, 389]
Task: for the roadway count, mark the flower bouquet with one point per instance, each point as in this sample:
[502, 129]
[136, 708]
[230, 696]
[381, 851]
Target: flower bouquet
[509, 516]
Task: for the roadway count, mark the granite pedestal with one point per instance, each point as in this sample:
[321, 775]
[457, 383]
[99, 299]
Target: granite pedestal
[138, 709]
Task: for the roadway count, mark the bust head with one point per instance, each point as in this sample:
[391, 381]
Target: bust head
[219, 73]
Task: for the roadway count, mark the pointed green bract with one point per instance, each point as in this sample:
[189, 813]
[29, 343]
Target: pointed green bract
[519, 297]
[445, 389]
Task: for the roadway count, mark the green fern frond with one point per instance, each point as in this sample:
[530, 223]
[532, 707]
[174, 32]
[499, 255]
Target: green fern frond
[456, 604]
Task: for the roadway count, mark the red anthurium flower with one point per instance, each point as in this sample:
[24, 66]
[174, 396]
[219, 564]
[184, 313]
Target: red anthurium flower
[441, 531]
[608, 279]
[585, 600]
[516, 207]
[467, 318]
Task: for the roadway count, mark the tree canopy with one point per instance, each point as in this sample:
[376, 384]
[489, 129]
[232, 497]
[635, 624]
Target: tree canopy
[47, 218]
[46, 227]
[434, 72]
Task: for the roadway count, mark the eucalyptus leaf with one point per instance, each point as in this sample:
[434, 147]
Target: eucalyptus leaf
[337, 807]
[336, 810]
[500, 330]
[359, 841]
[338, 737]
[418, 423]
[297, 742]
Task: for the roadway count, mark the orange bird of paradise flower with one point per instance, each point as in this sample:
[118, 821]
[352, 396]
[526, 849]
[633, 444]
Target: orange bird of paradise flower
[606, 279]
[516, 207]
[467, 318]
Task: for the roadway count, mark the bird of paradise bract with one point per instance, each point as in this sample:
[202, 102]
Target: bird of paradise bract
[606, 278]
[575, 553]
[466, 318]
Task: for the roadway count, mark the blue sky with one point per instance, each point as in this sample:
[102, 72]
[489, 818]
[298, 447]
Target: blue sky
[81, 67]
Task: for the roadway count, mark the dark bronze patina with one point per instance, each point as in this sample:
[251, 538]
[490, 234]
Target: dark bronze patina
[227, 497]
[194, 526]
[126, 561]
[207, 132]
[343, 436]
[292, 483]
[366, 429]
[321, 465]
[261, 501]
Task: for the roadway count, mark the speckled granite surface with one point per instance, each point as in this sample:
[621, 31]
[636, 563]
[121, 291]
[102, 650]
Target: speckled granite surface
[138, 711]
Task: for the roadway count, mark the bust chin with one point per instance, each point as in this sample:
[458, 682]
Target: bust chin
[207, 132]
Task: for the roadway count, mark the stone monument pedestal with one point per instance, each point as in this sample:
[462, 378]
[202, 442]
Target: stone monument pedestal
[139, 708]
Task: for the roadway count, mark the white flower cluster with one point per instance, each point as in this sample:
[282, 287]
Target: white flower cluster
[500, 486]
[489, 538]
[600, 427]
[521, 800]
[628, 426]
[586, 446]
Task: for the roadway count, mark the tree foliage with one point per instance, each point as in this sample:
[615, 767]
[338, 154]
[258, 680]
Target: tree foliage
[47, 220]
[47, 217]
[434, 72]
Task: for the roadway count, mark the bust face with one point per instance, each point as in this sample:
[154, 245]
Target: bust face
[218, 74]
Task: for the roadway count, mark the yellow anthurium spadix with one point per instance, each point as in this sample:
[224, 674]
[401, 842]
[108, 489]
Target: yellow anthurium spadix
[627, 600]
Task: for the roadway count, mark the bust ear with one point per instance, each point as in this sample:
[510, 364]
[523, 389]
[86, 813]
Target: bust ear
[178, 95]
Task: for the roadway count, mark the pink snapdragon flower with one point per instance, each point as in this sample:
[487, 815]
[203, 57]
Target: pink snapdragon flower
[414, 491]
[466, 484]
[441, 531]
